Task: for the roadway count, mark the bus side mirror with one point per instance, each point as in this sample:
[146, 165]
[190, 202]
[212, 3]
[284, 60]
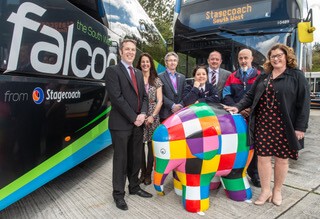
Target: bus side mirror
[305, 32]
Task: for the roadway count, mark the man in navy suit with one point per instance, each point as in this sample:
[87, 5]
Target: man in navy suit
[173, 86]
[129, 101]
[217, 76]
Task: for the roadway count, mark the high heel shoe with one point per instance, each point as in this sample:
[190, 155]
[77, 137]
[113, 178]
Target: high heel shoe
[277, 201]
[261, 202]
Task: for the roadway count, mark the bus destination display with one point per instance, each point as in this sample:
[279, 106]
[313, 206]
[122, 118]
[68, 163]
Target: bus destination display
[233, 14]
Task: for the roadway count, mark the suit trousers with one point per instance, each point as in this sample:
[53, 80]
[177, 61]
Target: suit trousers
[127, 158]
[146, 168]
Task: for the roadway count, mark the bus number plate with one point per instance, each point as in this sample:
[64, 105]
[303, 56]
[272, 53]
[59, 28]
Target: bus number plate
[283, 22]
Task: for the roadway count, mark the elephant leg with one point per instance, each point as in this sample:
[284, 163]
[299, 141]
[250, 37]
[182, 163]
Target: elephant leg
[236, 185]
[215, 183]
[177, 184]
[196, 198]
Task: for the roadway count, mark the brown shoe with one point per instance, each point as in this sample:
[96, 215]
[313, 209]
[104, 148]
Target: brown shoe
[147, 180]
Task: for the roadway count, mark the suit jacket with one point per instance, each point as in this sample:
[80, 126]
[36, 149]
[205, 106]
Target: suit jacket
[192, 94]
[223, 76]
[123, 97]
[170, 97]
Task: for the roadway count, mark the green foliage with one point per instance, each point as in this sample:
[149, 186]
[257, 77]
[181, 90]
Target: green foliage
[161, 13]
[183, 68]
[316, 57]
[316, 47]
[157, 51]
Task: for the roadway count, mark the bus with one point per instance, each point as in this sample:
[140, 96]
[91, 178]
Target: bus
[314, 82]
[201, 26]
[53, 103]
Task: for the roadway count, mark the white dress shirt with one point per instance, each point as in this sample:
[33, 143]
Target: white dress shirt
[210, 75]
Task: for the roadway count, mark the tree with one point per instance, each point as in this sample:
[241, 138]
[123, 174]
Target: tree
[161, 13]
[316, 57]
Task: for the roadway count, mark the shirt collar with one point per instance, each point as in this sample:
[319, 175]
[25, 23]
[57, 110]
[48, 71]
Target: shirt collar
[216, 70]
[203, 87]
[126, 64]
[249, 71]
[170, 74]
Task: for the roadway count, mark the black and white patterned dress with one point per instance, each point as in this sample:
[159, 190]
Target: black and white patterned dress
[270, 136]
[152, 94]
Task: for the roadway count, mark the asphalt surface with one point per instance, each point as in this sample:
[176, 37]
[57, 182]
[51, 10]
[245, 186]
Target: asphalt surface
[86, 192]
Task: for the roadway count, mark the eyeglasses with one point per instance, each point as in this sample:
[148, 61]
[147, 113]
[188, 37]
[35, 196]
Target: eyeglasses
[278, 56]
[172, 60]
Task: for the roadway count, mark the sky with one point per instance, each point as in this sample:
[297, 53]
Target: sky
[315, 5]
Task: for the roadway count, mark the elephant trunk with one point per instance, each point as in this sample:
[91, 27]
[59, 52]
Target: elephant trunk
[164, 157]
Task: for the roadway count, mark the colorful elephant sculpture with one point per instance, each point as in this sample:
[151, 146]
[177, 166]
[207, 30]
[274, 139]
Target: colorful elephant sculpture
[197, 143]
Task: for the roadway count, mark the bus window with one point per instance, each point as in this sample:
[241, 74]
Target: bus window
[317, 85]
[91, 7]
[229, 26]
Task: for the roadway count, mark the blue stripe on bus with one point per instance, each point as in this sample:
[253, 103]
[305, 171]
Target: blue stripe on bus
[99, 143]
[177, 7]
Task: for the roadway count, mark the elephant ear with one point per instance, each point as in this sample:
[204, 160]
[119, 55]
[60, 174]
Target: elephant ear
[204, 144]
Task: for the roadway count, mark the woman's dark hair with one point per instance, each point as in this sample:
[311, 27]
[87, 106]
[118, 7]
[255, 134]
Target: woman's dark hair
[289, 53]
[153, 72]
[203, 66]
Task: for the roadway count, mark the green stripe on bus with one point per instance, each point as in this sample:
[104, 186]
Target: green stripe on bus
[55, 159]
[95, 119]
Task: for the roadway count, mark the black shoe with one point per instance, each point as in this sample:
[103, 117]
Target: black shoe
[141, 193]
[256, 182]
[121, 204]
[142, 178]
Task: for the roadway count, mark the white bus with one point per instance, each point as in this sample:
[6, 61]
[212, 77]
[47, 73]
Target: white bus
[314, 82]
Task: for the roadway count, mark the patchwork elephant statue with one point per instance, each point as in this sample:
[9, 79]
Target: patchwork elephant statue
[198, 143]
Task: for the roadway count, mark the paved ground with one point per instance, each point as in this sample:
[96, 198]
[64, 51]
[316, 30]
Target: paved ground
[85, 192]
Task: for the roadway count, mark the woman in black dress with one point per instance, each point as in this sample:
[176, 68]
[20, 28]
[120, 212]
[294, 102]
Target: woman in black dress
[280, 103]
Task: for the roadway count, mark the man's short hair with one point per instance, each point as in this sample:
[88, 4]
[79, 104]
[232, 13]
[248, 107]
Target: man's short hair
[126, 41]
[171, 54]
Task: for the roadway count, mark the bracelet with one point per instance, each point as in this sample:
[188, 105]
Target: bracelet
[154, 115]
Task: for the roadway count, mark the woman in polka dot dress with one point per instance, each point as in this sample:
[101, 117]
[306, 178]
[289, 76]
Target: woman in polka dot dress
[280, 103]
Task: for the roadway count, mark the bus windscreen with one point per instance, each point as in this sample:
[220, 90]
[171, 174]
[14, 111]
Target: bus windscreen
[213, 14]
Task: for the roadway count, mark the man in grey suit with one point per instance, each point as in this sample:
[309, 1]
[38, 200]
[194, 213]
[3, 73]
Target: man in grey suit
[173, 86]
[129, 102]
[217, 76]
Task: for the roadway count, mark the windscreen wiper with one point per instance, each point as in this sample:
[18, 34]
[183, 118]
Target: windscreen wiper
[253, 33]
